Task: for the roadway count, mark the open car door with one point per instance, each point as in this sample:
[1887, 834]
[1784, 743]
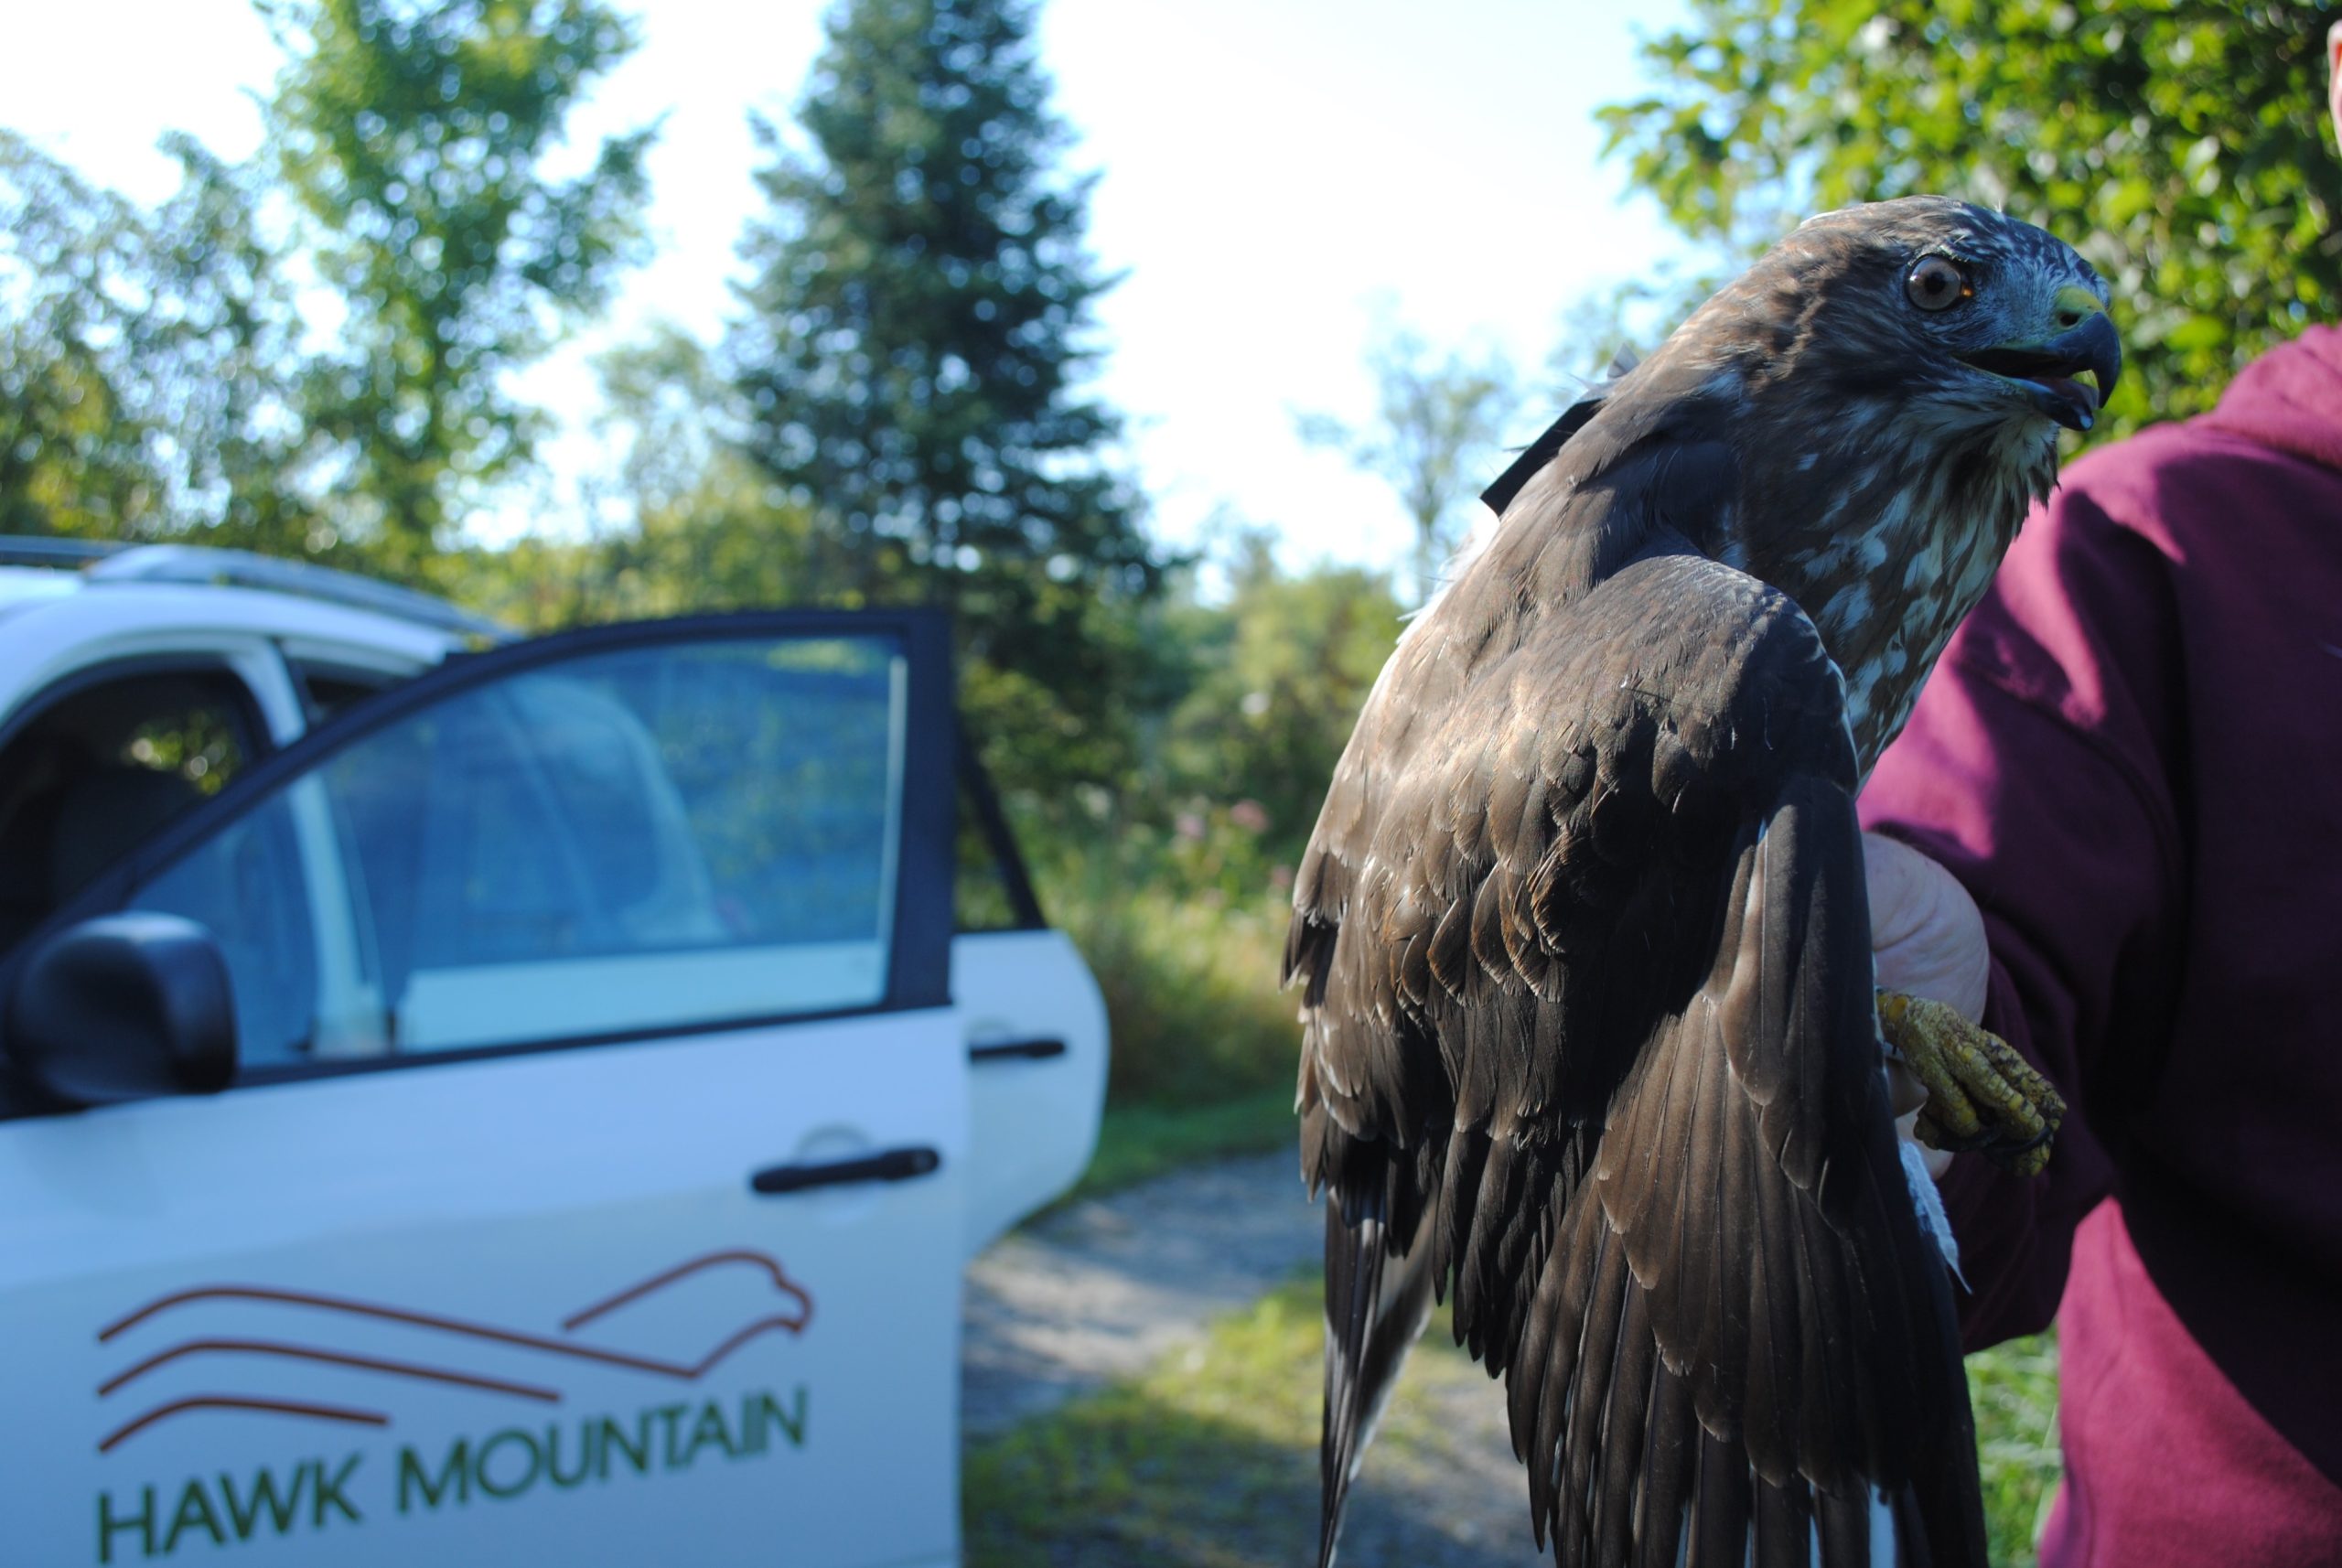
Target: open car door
[592, 1186]
[1035, 1025]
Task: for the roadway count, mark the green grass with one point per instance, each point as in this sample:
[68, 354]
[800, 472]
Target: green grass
[1210, 1459]
[1194, 1462]
[2013, 1389]
[1137, 1141]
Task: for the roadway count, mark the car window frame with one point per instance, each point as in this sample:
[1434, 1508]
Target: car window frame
[80, 678]
[302, 669]
[1008, 858]
[919, 939]
[259, 742]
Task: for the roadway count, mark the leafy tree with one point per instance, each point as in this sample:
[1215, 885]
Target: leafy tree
[146, 359]
[413, 136]
[681, 523]
[911, 362]
[73, 459]
[708, 529]
[2180, 144]
[1437, 421]
[1283, 669]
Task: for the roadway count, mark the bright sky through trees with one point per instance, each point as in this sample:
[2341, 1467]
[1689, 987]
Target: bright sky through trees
[1275, 172]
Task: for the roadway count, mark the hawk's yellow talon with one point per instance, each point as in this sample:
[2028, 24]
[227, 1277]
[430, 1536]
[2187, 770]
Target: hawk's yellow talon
[1981, 1093]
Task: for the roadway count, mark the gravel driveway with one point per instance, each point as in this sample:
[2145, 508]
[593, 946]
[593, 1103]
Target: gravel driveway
[1110, 1286]
[1107, 1287]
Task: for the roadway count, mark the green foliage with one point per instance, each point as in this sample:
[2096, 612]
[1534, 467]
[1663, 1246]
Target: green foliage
[1191, 980]
[414, 137]
[909, 364]
[1175, 885]
[1279, 675]
[144, 358]
[2180, 144]
[2014, 1390]
[686, 523]
[713, 532]
[1437, 419]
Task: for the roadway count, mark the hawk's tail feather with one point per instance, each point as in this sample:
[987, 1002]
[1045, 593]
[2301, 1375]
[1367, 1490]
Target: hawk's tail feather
[1843, 1523]
[1376, 1304]
[1939, 1516]
[1623, 1470]
[1721, 1504]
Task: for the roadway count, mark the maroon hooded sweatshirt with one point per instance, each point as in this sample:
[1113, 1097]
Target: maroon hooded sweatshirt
[2131, 756]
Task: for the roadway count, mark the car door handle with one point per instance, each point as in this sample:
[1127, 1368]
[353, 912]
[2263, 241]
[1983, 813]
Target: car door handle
[888, 1165]
[1015, 1050]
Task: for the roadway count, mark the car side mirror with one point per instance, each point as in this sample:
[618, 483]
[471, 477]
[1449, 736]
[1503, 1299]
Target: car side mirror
[124, 1007]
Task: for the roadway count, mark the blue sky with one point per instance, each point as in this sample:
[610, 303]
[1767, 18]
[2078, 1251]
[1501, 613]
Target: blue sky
[1275, 173]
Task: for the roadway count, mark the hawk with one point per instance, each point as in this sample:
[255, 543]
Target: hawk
[1591, 1049]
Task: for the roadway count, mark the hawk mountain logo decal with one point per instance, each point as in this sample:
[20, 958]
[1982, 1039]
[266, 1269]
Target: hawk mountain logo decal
[527, 1366]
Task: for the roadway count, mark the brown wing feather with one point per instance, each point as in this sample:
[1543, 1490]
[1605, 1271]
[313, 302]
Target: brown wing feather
[1585, 968]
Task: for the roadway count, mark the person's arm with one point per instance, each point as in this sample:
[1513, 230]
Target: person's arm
[2033, 773]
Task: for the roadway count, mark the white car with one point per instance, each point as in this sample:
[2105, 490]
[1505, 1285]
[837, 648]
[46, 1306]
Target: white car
[471, 1100]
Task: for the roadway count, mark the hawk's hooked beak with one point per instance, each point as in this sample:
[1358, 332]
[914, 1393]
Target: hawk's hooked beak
[2049, 369]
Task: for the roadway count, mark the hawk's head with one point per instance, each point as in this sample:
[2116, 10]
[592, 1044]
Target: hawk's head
[1894, 377]
[1858, 420]
[1964, 320]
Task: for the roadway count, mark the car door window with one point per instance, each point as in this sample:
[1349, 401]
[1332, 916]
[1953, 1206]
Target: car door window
[327, 689]
[992, 891]
[642, 840]
[103, 767]
[248, 889]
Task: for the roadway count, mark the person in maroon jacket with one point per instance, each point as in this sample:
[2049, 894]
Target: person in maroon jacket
[2113, 830]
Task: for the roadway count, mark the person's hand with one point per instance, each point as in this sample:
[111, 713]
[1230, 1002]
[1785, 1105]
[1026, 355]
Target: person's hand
[1925, 933]
[1927, 940]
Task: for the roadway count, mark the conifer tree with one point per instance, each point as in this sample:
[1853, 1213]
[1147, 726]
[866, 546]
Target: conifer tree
[910, 359]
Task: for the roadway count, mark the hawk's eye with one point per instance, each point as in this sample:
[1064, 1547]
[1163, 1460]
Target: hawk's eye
[1937, 283]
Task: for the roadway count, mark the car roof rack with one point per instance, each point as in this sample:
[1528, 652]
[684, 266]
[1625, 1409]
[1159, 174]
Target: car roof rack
[49, 550]
[194, 564]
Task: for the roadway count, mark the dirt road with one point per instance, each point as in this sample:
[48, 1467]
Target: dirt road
[1110, 1286]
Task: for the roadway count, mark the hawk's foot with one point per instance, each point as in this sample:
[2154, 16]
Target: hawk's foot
[1981, 1095]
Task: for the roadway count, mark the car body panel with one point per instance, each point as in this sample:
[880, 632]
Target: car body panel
[527, 1297]
[1035, 1111]
[43, 642]
[793, 1365]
